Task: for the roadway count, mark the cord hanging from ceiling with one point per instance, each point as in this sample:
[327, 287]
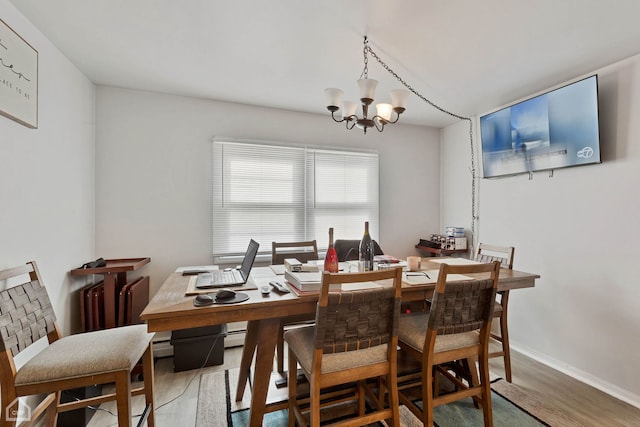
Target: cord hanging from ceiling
[474, 215]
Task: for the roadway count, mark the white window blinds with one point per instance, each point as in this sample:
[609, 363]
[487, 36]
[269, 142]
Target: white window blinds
[285, 193]
[342, 192]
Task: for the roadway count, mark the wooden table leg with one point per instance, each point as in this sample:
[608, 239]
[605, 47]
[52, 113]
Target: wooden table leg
[250, 342]
[265, 346]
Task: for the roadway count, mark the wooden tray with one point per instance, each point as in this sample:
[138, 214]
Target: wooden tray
[113, 266]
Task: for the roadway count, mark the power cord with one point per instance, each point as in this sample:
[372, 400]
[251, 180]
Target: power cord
[475, 193]
[197, 374]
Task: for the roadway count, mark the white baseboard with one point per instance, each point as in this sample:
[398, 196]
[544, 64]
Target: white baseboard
[234, 339]
[162, 349]
[580, 375]
[161, 345]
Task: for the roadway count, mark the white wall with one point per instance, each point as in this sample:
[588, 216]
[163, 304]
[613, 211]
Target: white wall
[47, 175]
[580, 231]
[153, 173]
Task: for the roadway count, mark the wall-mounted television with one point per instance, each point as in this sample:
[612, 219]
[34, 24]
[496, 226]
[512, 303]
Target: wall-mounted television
[554, 130]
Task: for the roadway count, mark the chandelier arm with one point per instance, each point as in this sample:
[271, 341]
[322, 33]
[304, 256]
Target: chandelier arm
[336, 120]
[352, 122]
[379, 124]
[394, 121]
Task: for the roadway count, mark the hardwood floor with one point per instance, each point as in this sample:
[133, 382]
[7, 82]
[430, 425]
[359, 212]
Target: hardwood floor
[578, 400]
[177, 393]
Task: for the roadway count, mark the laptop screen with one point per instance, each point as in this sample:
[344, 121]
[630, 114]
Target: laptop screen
[249, 258]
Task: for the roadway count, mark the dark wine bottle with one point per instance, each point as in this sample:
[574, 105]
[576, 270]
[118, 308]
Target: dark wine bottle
[365, 252]
[331, 258]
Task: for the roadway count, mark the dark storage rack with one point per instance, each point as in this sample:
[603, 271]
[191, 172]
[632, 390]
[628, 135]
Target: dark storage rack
[113, 301]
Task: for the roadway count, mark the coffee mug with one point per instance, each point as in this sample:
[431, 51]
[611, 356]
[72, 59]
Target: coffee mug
[413, 262]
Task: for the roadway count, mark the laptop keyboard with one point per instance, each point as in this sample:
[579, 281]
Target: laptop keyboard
[218, 278]
[229, 277]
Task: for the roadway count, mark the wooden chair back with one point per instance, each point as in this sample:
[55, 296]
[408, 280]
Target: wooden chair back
[26, 315]
[302, 251]
[463, 306]
[490, 253]
[344, 318]
[25, 311]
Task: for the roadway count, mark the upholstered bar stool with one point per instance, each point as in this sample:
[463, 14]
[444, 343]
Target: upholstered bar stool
[100, 357]
[447, 333]
[504, 255]
[354, 339]
[304, 252]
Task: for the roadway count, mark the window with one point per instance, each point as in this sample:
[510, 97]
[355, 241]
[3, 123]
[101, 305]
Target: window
[289, 193]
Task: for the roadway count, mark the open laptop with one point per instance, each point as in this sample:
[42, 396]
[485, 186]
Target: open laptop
[230, 277]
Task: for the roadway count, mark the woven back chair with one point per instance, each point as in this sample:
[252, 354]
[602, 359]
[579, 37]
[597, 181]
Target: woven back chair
[347, 250]
[504, 255]
[355, 339]
[82, 360]
[449, 333]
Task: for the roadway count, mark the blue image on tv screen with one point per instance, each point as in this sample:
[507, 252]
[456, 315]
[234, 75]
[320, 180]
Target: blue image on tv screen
[553, 130]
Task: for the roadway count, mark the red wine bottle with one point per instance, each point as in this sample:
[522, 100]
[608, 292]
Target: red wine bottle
[331, 258]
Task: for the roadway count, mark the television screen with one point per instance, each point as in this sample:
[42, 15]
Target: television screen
[554, 130]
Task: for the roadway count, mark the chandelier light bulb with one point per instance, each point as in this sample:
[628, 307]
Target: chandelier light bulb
[384, 110]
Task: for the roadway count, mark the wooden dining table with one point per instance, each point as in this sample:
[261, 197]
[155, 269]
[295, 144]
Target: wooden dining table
[171, 309]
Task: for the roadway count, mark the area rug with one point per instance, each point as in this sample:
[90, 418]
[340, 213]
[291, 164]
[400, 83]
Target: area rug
[511, 407]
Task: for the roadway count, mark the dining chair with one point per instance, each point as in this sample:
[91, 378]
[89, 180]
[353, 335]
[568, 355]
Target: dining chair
[304, 252]
[354, 339]
[447, 333]
[347, 249]
[504, 255]
[74, 361]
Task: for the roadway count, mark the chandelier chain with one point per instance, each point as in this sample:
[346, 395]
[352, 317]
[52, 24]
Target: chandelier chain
[365, 70]
[405, 84]
[474, 216]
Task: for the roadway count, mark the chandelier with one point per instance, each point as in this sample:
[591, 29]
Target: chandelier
[384, 111]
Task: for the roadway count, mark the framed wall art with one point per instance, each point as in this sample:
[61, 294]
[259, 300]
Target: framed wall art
[18, 78]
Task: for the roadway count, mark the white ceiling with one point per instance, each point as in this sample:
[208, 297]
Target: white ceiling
[467, 56]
